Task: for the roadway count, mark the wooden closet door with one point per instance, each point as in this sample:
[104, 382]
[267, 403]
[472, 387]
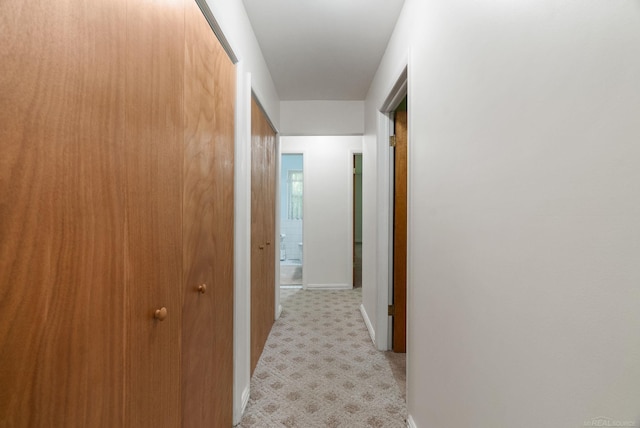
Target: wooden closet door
[270, 217]
[208, 222]
[400, 235]
[62, 293]
[154, 143]
[262, 231]
[257, 238]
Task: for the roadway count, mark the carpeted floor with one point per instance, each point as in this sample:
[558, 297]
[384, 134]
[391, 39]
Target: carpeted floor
[398, 364]
[320, 368]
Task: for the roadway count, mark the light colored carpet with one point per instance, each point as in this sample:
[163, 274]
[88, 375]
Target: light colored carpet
[320, 369]
[398, 364]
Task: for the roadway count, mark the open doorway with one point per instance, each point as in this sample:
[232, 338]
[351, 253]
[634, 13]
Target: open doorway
[357, 220]
[291, 220]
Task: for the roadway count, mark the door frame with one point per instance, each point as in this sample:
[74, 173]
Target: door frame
[384, 256]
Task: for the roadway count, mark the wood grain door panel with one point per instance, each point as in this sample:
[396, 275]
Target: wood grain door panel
[154, 149]
[270, 226]
[400, 235]
[61, 194]
[262, 231]
[257, 236]
[208, 221]
[93, 143]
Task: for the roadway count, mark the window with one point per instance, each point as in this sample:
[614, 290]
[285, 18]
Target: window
[295, 195]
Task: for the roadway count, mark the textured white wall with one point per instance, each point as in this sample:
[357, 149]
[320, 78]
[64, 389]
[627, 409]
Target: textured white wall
[524, 279]
[328, 206]
[322, 117]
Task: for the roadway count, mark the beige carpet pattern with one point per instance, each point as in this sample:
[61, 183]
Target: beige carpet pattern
[320, 368]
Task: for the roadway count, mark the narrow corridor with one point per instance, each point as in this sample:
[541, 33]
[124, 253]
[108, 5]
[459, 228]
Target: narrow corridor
[319, 368]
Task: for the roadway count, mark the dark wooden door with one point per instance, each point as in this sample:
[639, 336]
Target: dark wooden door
[153, 252]
[208, 219]
[400, 235]
[62, 181]
[262, 231]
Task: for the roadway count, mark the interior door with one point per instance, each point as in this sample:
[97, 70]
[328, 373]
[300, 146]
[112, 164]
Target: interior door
[62, 276]
[400, 235]
[262, 231]
[270, 223]
[208, 221]
[92, 144]
[154, 148]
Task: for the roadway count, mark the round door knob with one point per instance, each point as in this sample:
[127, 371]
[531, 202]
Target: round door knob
[202, 288]
[261, 247]
[160, 314]
[268, 242]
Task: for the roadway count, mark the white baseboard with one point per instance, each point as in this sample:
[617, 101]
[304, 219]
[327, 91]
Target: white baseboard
[279, 312]
[329, 287]
[411, 423]
[367, 322]
[245, 400]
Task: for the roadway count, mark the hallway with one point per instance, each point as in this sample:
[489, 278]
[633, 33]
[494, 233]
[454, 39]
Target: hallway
[320, 368]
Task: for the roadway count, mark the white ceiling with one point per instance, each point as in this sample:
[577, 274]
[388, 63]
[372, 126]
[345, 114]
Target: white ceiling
[323, 49]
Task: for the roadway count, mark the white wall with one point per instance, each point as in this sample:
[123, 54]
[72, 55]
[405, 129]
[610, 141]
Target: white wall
[328, 207]
[524, 217]
[369, 233]
[252, 75]
[322, 117]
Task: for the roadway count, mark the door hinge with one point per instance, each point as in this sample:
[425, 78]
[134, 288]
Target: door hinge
[354, 171]
[391, 311]
[392, 141]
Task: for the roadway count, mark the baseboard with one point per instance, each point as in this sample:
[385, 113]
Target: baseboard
[411, 423]
[245, 400]
[329, 287]
[367, 322]
[279, 312]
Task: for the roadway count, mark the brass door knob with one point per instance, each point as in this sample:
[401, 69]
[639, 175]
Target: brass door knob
[160, 314]
[268, 242]
[261, 247]
[202, 288]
